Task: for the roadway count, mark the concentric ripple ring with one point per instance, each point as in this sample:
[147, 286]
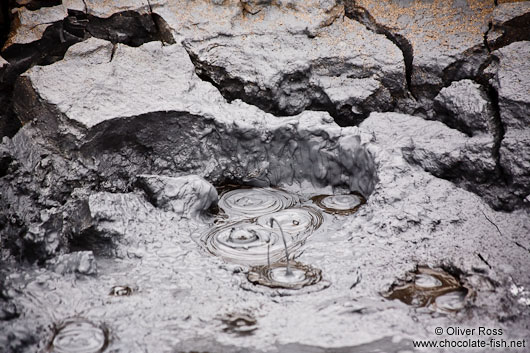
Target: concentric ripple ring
[340, 204]
[78, 335]
[274, 276]
[254, 202]
[246, 243]
[296, 221]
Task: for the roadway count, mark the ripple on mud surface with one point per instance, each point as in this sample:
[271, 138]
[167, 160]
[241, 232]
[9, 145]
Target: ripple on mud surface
[241, 323]
[295, 221]
[78, 335]
[274, 276]
[246, 243]
[433, 288]
[254, 202]
[340, 204]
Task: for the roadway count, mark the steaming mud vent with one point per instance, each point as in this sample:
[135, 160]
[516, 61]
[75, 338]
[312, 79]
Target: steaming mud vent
[340, 204]
[78, 335]
[275, 275]
[432, 288]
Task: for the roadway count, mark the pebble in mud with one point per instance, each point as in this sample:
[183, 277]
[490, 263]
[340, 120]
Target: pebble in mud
[78, 335]
[433, 288]
[340, 204]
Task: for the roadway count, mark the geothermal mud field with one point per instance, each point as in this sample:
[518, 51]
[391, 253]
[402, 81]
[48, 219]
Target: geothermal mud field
[264, 176]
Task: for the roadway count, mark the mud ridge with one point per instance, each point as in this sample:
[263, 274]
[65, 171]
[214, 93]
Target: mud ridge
[127, 27]
[233, 88]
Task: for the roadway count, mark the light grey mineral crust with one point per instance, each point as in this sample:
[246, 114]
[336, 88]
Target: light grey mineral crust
[181, 98]
[511, 79]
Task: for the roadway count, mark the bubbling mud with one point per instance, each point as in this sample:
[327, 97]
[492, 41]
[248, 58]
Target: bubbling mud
[246, 243]
[296, 221]
[78, 335]
[120, 291]
[244, 234]
[340, 204]
[275, 275]
[252, 202]
[241, 323]
[433, 288]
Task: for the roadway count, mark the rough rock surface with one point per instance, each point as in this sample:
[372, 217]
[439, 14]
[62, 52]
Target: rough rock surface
[81, 262]
[511, 79]
[465, 106]
[510, 23]
[154, 122]
[115, 118]
[344, 69]
[440, 46]
[29, 26]
[189, 196]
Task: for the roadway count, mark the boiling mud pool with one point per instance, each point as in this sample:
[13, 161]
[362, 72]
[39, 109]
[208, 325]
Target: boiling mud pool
[262, 226]
[277, 227]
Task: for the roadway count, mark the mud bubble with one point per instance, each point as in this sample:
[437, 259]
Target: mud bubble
[121, 291]
[275, 275]
[433, 288]
[253, 242]
[78, 335]
[340, 204]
